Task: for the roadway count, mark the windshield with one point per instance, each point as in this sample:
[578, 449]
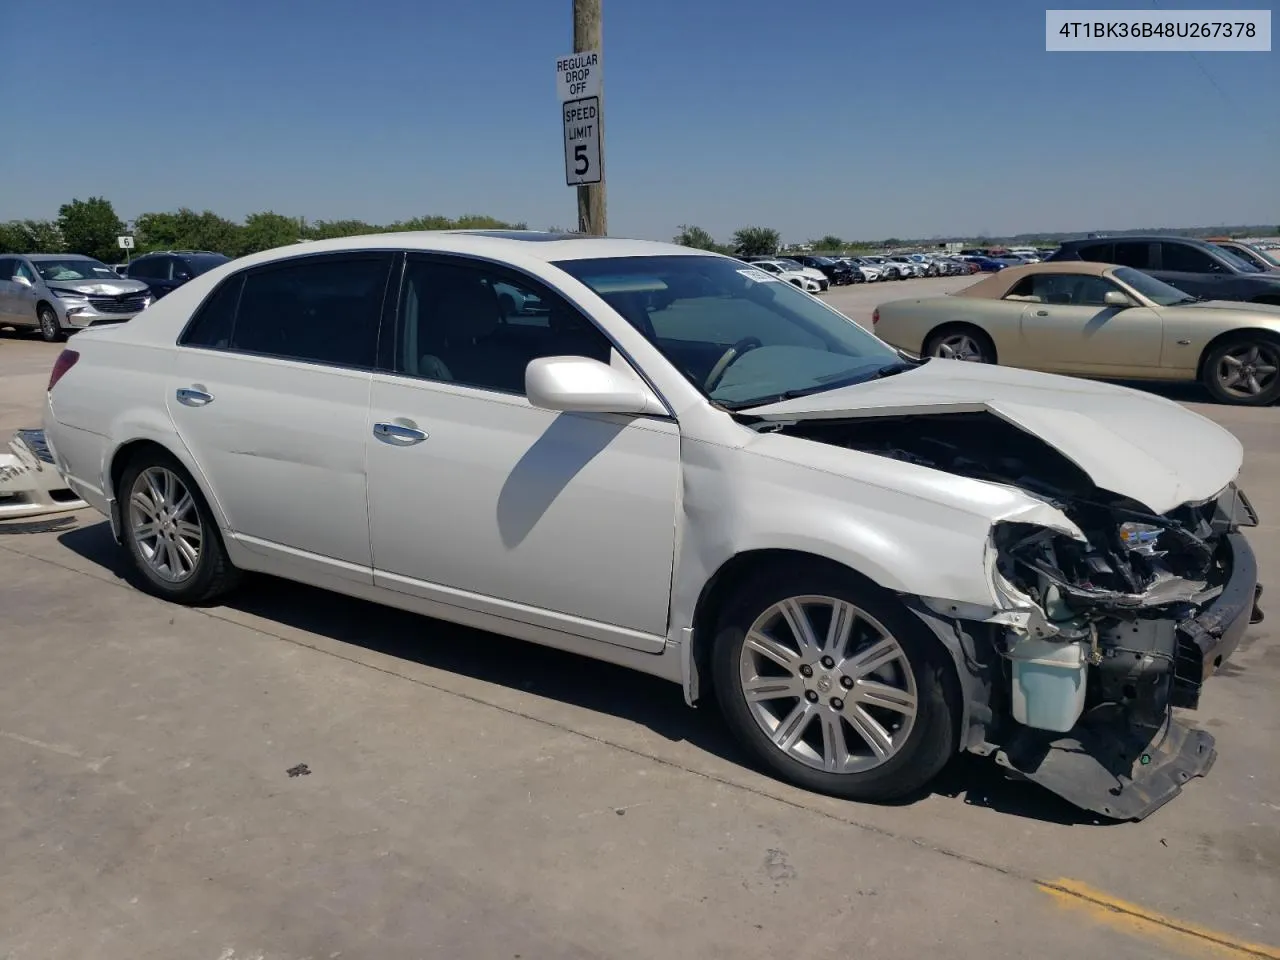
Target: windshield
[54, 271]
[1157, 291]
[694, 308]
[1237, 261]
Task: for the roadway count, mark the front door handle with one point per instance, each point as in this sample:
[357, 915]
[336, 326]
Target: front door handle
[398, 434]
[1042, 313]
[194, 396]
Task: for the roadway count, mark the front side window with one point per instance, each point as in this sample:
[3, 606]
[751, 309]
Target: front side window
[1183, 258]
[695, 308]
[1157, 291]
[314, 309]
[477, 325]
[1063, 289]
[22, 270]
[149, 268]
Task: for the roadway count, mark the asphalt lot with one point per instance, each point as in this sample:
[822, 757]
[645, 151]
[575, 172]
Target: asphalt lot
[473, 796]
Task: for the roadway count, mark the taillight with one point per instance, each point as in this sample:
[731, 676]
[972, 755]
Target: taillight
[875, 316]
[66, 360]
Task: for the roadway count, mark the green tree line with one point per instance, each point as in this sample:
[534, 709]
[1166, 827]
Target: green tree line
[91, 227]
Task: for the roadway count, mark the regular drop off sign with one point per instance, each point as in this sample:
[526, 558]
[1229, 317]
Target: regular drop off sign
[578, 75]
[582, 141]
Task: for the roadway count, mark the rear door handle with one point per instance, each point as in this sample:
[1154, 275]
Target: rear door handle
[193, 397]
[1042, 313]
[398, 434]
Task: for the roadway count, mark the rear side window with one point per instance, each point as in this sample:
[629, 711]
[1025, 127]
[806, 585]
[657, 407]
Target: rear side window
[1134, 253]
[318, 310]
[212, 324]
[1097, 252]
[1184, 258]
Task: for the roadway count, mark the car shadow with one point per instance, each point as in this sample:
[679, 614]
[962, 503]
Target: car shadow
[554, 674]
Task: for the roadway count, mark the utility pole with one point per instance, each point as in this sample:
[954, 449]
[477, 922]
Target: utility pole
[592, 217]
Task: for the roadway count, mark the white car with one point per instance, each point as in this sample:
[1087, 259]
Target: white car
[813, 273]
[779, 269]
[692, 469]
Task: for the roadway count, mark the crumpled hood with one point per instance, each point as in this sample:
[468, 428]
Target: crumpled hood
[99, 288]
[1130, 443]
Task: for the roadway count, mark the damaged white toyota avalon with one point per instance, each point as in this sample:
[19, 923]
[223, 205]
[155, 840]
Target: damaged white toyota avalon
[670, 460]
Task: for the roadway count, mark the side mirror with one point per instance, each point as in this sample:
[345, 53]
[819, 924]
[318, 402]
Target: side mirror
[21, 281]
[1114, 298]
[583, 385]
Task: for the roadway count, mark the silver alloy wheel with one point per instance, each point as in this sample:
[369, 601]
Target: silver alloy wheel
[165, 524]
[959, 346]
[49, 324]
[1248, 370]
[828, 684]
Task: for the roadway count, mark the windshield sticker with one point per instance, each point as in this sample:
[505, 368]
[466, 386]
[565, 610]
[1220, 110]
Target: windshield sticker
[759, 276]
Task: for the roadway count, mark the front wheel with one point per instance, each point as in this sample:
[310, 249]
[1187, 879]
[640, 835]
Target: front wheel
[1244, 370]
[170, 532]
[50, 328]
[832, 686]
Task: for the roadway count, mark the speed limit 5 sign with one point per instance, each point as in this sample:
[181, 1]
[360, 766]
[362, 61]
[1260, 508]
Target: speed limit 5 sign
[582, 141]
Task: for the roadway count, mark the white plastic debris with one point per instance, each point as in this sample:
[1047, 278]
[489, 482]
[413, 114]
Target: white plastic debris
[30, 485]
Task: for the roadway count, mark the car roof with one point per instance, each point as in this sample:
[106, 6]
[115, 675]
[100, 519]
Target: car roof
[540, 245]
[998, 284]
[55, 256]
[1140, 237]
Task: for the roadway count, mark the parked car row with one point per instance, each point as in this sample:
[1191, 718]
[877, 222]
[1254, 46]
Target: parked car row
[59, 293]
[869, 268]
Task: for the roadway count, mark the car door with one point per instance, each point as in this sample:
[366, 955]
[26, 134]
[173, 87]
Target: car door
[480, 500]
[1193, 271]
[1070, 328]
[24, 297]
[8, 287]
[269, 392]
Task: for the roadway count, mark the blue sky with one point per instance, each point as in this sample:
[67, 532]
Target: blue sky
[863, 119]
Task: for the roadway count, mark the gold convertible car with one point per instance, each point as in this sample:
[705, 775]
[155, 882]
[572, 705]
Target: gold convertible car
[1096, 320]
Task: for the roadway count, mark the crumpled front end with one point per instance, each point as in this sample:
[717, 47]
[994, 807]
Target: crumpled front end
[1106, 614]
[1101, 637]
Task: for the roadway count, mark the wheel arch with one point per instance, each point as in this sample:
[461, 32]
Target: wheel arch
[119, 459]
[972, 690]
[1232, 334]
[946, 325]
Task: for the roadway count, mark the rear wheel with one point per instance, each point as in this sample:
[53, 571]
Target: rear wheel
[1244, 370]
[50, 329]
[832, 686]
[170, 532]
[960, 342]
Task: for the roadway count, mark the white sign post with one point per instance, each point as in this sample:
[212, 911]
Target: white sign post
[578, 75]
[582, 141]
[125, 243]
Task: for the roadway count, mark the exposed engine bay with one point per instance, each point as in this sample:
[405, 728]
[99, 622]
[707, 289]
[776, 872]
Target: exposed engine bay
[1100, 637]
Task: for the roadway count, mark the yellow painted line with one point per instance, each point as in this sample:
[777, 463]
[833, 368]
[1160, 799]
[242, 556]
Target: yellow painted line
[1140, 922]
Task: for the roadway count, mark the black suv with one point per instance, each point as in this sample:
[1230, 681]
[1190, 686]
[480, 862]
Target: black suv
[166, 270]
[1195, 267]
[836, 271]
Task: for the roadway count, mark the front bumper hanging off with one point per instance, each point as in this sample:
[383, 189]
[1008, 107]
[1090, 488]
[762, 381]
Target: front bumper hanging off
[30, 485]
[1125, 769]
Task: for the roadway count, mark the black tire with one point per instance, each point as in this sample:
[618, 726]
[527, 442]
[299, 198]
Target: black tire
[1265, 347]
[213, 575]
[50, 329]
[932, 739]
[986, 349]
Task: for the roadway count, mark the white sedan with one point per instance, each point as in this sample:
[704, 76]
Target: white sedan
[671, 460]
[795, 277]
